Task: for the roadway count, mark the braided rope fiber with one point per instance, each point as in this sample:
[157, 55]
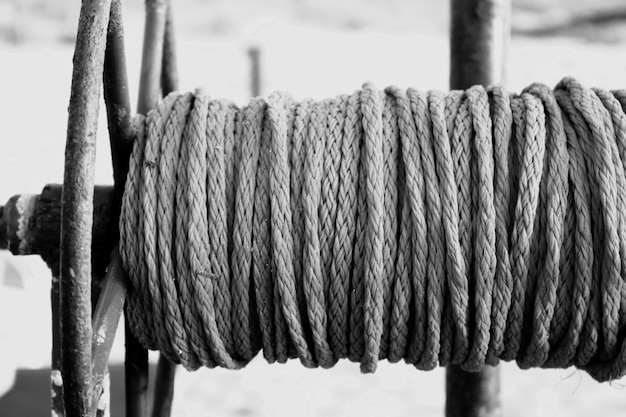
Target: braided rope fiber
[461, 228]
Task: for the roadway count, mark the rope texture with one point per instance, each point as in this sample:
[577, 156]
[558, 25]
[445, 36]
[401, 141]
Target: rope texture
[460, 228]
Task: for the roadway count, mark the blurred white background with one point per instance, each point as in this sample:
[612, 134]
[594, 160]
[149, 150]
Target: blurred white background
[310, 49]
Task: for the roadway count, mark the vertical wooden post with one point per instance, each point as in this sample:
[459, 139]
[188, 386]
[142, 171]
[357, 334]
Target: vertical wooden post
[478, 43]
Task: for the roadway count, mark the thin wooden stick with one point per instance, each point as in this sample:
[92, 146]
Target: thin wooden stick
[77, 210]
[478, 42]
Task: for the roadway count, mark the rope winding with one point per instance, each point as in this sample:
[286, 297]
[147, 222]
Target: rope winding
[460, 228]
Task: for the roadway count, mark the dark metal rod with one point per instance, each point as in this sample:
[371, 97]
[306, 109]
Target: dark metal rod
[30, 224]
[473, 394]
[35, 231]
[166, 370]
[105, 321]
[254, 53]
[169, 71]
[121, 138]
[151, 61]
[121, 135]
[136, 375]
[56, 378]
[136, 361]
[478, 43]
[75, 254]
[104, 403]
[117, 99]
[479, 34]
[164, 388]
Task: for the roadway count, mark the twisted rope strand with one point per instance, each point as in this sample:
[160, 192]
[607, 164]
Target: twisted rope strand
[460, 228]
[502, 118]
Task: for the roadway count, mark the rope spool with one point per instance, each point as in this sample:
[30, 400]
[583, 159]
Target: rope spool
[460, 228]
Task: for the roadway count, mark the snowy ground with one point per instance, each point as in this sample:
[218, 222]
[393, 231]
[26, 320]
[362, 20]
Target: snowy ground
[308, 62]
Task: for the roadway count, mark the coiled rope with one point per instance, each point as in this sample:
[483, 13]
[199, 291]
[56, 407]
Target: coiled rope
[460, 228]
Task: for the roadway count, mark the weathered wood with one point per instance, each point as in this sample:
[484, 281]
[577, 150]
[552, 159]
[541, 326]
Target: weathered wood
[77, 210]
[478, 43]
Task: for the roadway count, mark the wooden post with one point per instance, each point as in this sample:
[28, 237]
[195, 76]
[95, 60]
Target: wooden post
[77, 209]
[478, 43]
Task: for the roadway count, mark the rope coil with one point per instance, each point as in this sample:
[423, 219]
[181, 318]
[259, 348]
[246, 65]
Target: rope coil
[459, 228]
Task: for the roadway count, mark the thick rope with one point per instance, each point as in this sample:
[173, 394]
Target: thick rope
[461, 228]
